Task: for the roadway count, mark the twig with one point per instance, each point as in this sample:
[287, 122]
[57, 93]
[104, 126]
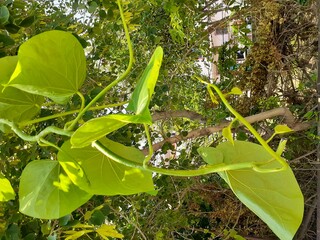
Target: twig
[175, 114]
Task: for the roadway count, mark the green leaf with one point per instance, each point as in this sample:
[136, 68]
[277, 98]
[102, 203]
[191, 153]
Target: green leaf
[51, 64]
[97, 128]
[46, 191]
[6, 191]
[73, 170]
[15, 105]
[280, 129]
[28, 21]
[5, 40]
[275, 197]
[141, 96]
[92, 6]
[12, 28]
[4, 15]
[108, 177]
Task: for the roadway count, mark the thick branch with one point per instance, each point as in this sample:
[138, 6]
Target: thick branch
[284, 112]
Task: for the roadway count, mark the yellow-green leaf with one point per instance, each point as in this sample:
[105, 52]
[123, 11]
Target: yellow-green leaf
[275, 197]
[226, 132]
[235, 91]
[6, 191]
[51, 64]
[280, 129]
[141, 96]
[106, 231]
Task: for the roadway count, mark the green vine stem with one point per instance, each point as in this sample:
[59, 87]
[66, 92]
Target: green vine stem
[83, 101]
[149, 156]
[36, 138]
[208, 169]
[38, 120]
[115, 82]
[257, 167]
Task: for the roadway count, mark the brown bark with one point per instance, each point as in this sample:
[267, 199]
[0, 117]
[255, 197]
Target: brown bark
[288, 119]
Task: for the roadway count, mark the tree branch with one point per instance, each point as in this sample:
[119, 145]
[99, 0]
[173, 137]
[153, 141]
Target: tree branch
[175, 114]
[288, 119]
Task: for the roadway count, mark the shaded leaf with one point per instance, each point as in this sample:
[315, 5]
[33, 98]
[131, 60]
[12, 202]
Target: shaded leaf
[106, 176]
[275, 197]
[46, 191]
[51, 64]
[6, 40]
[12, 28]
[141, 96]
[4, 15]
[98, 128]
[28, 21]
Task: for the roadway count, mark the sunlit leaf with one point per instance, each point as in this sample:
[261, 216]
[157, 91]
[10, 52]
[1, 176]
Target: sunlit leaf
[275, 197]
[141, 96]
[235, 91]
[226, 132]
[280, 129]
[6, 191]
[106, 231]
[106, 176]
[51, 64]
[73, 169]
[73, 235]
[47, 192]
[15, 105]
[97, 128]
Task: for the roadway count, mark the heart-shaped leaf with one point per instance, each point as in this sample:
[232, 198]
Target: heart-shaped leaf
[6, 191]
[15, 105]
[275, 197]
[97, 128]
[47, 192]
[51, 64]
[141, 96]
[106, 176]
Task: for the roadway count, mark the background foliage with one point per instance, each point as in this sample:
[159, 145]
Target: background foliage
[282, 57]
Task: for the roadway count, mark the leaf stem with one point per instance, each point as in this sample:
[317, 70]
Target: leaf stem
[36, 138]
[251, 129]
[148, 157]
[115, 82]
[207, 169]
[23, 124]
[83, 101]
